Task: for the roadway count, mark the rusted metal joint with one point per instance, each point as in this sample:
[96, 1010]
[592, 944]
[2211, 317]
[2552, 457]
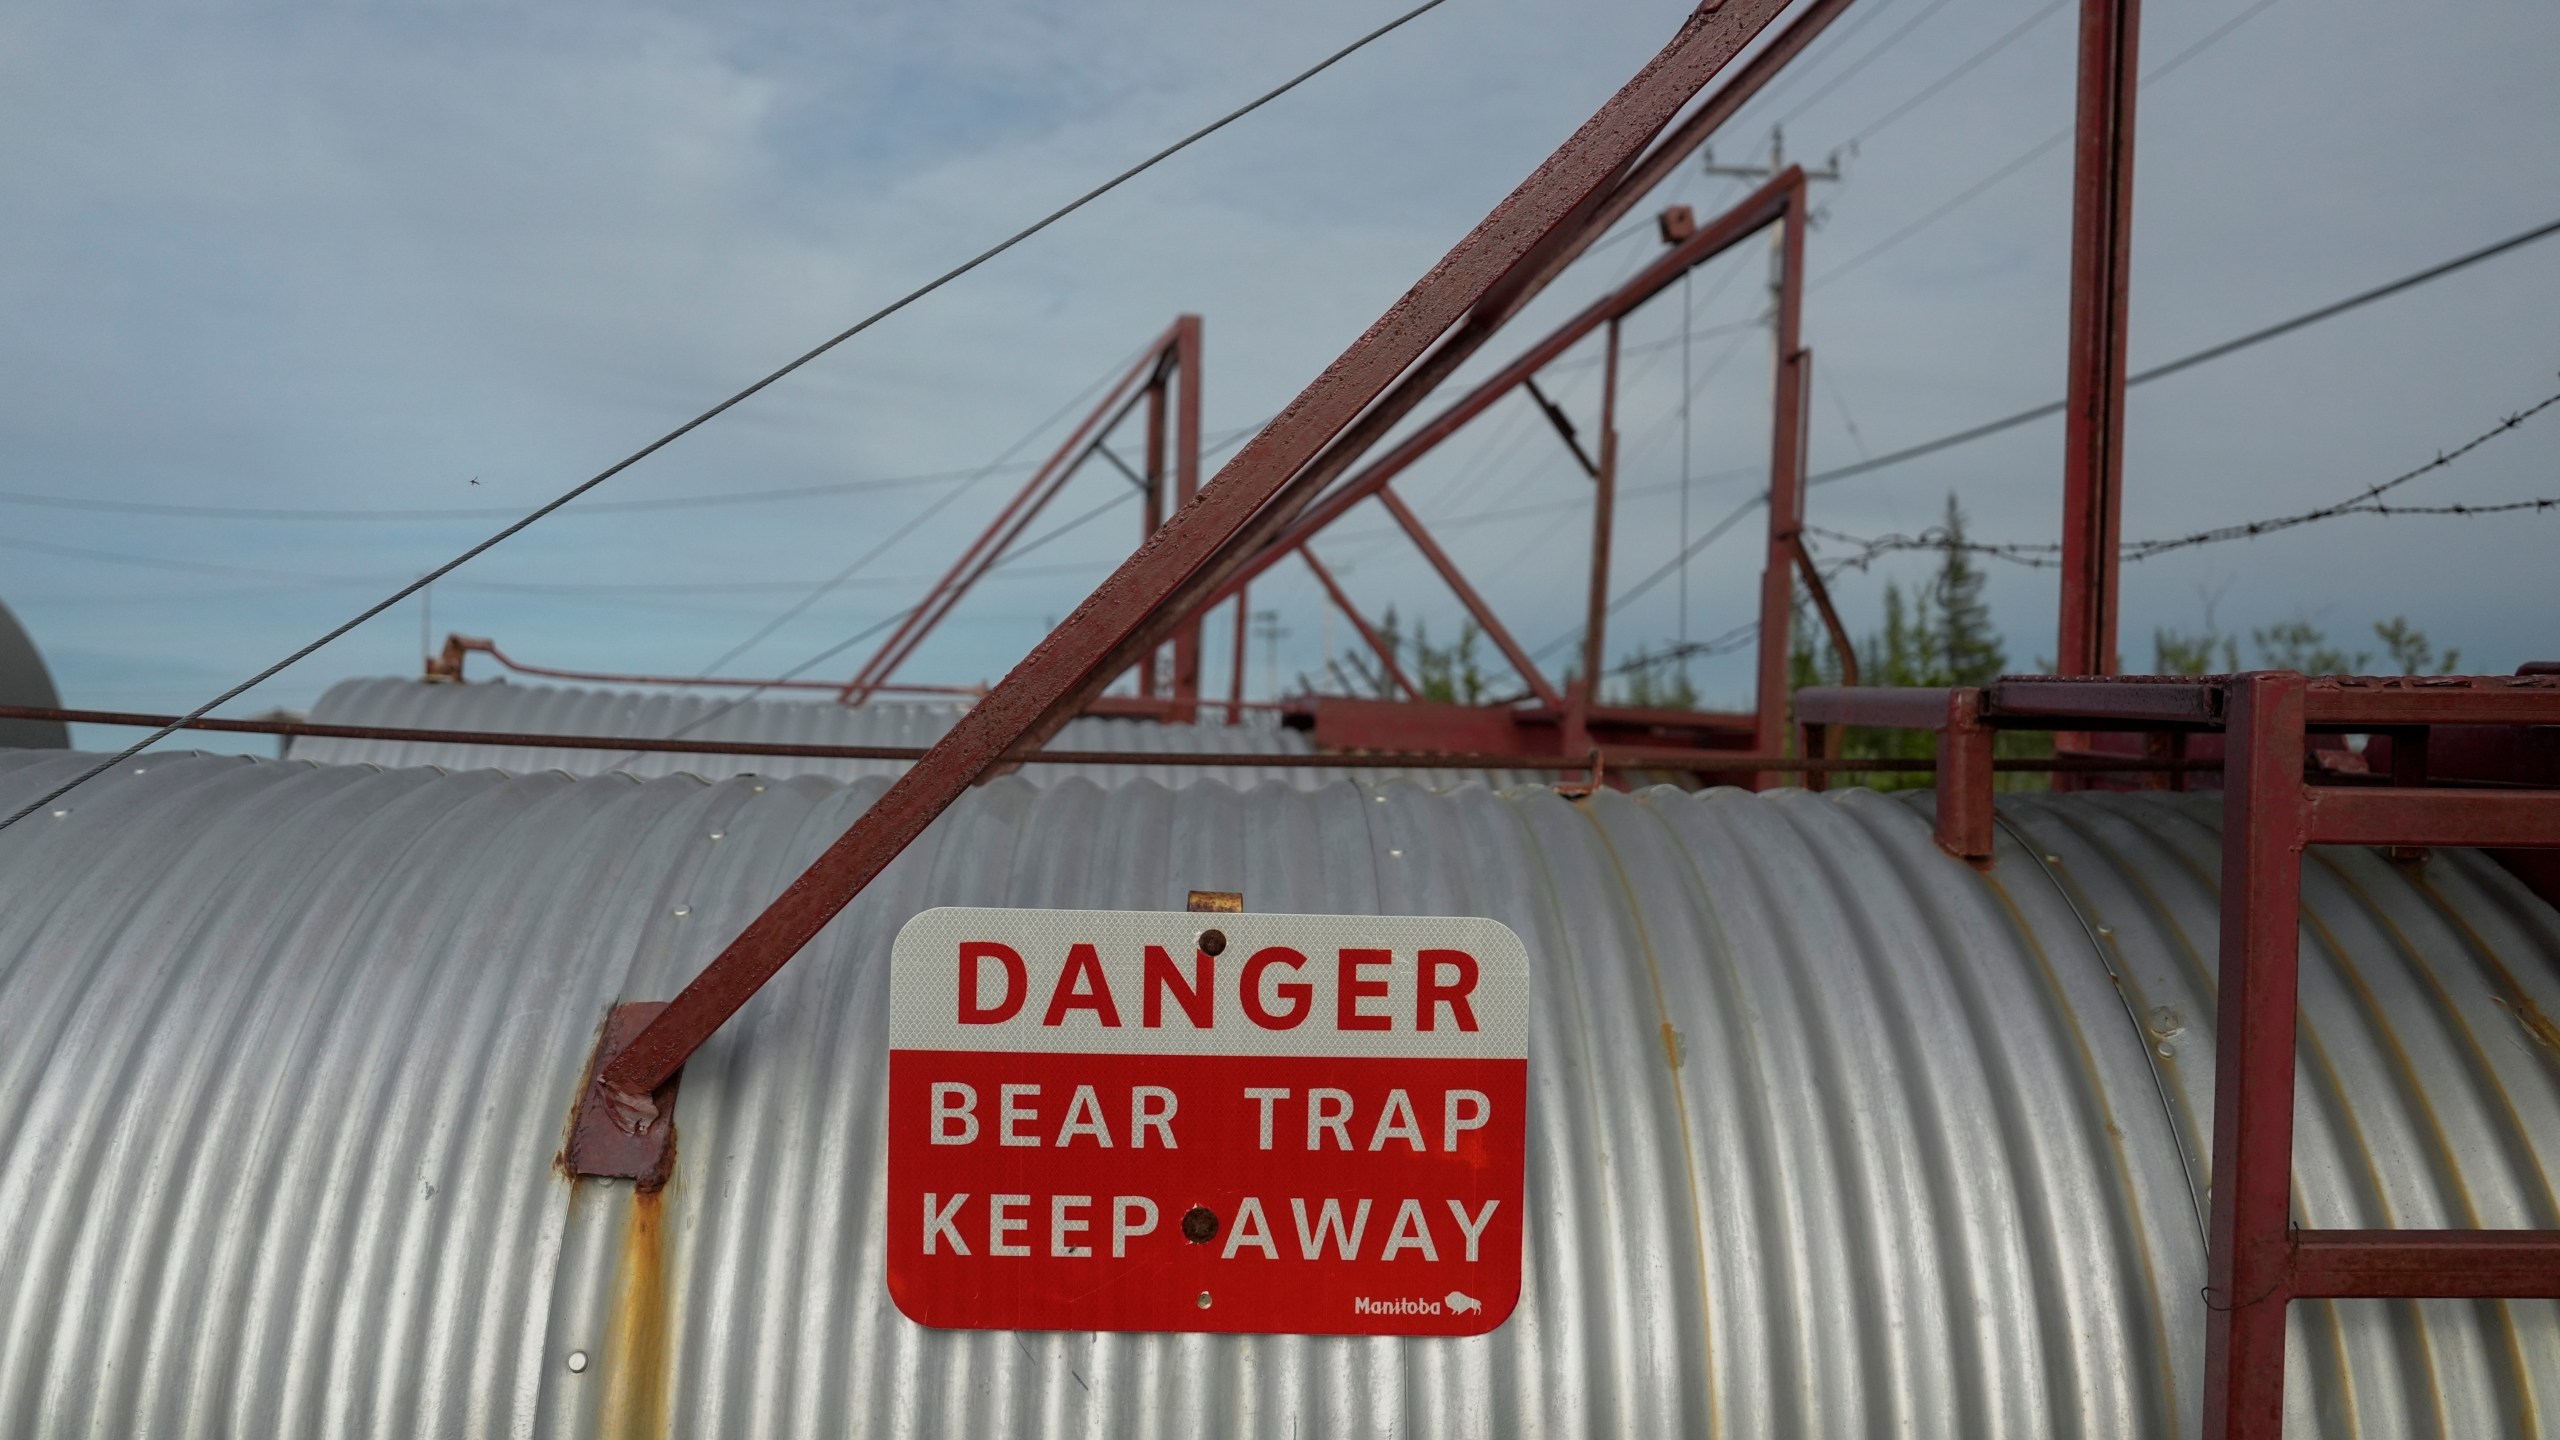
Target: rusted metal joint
[616, 1135]
[1591, 783]
[448, 666]
[1964, 779]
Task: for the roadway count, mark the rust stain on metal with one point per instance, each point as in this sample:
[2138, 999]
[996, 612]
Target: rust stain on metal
[599, 1146]
[1216, 902]
[639, 1348]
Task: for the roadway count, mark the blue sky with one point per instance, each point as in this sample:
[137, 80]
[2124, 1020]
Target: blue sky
[356, 257]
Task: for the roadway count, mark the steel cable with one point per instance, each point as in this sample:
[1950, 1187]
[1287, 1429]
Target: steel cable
[722, 408]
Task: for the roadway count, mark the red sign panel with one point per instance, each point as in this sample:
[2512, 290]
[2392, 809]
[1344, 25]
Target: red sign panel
[1107, 1120]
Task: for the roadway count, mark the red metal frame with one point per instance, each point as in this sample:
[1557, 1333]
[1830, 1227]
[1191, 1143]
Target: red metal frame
[2274, 805]
[2101, 267]
[1573, 719]
[1174, 355]
[1499, 266]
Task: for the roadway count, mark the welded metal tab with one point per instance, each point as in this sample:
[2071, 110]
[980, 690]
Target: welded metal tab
[609, 1137]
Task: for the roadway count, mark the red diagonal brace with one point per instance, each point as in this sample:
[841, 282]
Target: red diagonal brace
[1552, 216]
[1043, 486]
[1491, 623]
[1378, 645]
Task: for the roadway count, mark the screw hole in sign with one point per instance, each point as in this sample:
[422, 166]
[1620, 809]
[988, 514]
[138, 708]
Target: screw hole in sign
[1100, 1119]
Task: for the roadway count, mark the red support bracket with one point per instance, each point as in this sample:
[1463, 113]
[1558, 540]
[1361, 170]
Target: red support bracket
[599, 1144]
[1964, 779]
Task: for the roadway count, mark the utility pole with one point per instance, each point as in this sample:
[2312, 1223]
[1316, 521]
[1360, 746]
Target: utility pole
[1830, 171]
[1267, 627]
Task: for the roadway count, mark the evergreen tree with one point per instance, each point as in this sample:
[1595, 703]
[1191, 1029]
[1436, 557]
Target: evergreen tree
[1969, 648]
[2411, 653]
[2297, 644]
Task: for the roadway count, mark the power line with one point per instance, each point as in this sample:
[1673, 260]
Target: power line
[1830, 42]
[828, 586]
[2199, 357]
[1861, 63]
[2020, 162]
[2367, 501]
[1972, 62]
[485, 512]
[723, 407]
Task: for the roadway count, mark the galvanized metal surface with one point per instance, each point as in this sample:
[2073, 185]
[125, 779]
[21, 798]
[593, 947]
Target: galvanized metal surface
[565, 710]
[24, 680]
[1833, 1135]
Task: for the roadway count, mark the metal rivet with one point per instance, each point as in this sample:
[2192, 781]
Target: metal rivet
[683, 910]
[577, 1362]
[1397, 853]
[717, 835]
[2053, 859]
[1213, 942]
[1199, 1224]
[58, 814]
[1204, 1299]
[2167, 1053]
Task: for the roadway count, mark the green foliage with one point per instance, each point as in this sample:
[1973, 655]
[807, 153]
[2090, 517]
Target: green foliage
[2410, 653]
[1449, 672]
[2297, 644]
[1444, 672]
[1969, 651]
[1939, 633]
[2175, 652]
[1653, 681]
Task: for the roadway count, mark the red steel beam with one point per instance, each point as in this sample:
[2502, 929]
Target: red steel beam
[1549, 218]
[2101, 265]
[983, 552]
[2508, 819]
[2425, 1264]
[1786, 484]
[2434, 700]
[1822, 606]
[1378, 645]
[1186, 486]
[1153, 516]
[1899, 707]
[1965, 814]
[2249, 1260]
[1494, 630]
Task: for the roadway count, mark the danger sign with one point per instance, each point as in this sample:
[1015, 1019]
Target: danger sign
[1112, 1120]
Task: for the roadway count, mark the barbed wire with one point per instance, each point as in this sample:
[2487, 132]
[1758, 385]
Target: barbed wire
[2367, 501]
